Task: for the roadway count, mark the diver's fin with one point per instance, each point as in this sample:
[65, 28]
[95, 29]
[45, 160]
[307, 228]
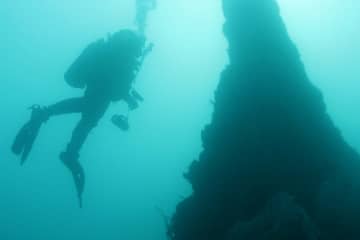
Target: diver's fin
[20, 139]
[80, 201]
[77, 171]
[32, 134]
[25, 138]
[79, 180]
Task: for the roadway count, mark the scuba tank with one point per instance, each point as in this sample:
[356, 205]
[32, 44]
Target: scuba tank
[82, 69]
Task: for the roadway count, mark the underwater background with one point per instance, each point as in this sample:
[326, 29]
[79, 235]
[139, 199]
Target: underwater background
[134, 177]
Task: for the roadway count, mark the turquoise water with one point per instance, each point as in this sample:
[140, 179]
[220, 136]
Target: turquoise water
[131, 175]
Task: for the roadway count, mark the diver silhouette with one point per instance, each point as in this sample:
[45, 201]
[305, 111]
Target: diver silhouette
[106, 70]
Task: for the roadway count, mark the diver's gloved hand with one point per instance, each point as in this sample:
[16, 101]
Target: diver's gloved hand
[136, 95]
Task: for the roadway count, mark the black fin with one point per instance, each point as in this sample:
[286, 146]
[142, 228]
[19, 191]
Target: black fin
[79, 180]
[20, 139]
[78, 175]
[25, 138]
[33, 132]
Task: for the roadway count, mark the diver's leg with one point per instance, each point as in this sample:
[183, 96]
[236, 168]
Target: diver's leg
[90, 117]
[71, 155]
[25, 138]
[92, 111]
[71, 105]
[80, 134]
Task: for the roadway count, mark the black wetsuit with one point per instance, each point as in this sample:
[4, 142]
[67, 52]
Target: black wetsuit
[91, 110]
[109, 80]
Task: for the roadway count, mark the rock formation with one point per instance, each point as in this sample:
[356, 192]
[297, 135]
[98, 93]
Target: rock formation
[270, 134]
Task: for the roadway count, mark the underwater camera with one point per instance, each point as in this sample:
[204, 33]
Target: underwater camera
[121, 122]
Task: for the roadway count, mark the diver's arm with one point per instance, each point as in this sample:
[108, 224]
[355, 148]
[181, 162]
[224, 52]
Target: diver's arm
[131, 102]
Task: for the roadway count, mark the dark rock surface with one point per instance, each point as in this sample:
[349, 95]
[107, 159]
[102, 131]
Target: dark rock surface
[270, 134]
[281, 219]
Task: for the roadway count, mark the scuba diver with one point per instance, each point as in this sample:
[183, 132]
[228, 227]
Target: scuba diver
[142, 9]
[106, 70]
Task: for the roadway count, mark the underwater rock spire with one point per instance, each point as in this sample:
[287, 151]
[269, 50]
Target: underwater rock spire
[270, 135]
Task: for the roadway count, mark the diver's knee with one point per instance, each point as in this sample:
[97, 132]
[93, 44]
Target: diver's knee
[89, 123]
